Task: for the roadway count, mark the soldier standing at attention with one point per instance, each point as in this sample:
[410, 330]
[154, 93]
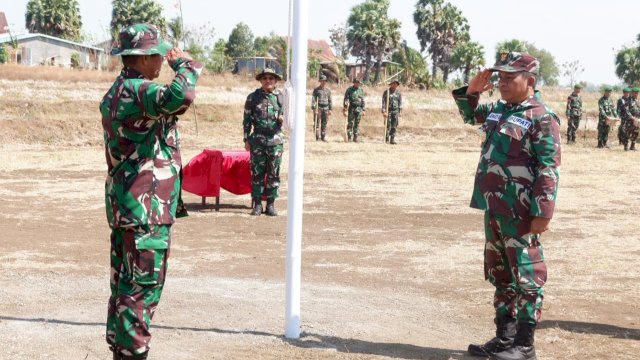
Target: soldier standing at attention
[634, 114]
[321, 106]
[516, 185]
[621, 109]
[263, 118]
[606, 116]
[574, 113]
[394, 107]
[354, 109]
[143, 184]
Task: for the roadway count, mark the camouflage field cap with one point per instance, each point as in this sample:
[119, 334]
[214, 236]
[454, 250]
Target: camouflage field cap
[266, 71]
[394, 81]
[141, 39]
[626, 89]
[516, 62]
[577, 86]
[323, 77]
[607, 88]
[357, 79]
[635, 89]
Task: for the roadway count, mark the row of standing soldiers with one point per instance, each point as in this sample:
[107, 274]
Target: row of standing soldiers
[354, 109]
[627, 111]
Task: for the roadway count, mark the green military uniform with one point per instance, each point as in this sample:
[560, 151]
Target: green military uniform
[574, 113]
[142, 189]
[262, 126]
[622, 110]
[606, 112]
[354, 105]
[392, 106]
[634, 113]
[322, 107]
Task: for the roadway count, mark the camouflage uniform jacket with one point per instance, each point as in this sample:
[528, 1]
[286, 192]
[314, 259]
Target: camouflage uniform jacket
[518, 171]
[142, 145]
[574, 105]
[634, 108]
[395, 101]
[354, 98]
[261, 112]
[605, 110]
[622, 108]
[321, 98]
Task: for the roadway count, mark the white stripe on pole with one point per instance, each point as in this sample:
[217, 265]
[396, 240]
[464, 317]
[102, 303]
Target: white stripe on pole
[296, 169]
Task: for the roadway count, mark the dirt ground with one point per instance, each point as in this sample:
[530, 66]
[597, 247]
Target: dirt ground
[392, 254]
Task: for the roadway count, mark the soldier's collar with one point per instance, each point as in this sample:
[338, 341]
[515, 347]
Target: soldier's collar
[129, 73]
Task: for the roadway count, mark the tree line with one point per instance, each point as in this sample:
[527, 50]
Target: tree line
[368, 34]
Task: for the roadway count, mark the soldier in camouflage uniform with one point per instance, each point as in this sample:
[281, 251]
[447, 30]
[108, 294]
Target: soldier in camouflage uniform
[634, 114]
[622, 110]
[574, 113]
[321, 106]
[263, 118]
[391, 110]
[606, 116]
[354, 108]
[516, 185]
[142, 188]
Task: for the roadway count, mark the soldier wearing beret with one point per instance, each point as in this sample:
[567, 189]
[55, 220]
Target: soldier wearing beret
[606, 116]
[516, 185]
[142, 188]
[574, 113]
[262, 124]
[321, 106]
[354, 109]
[622, 108]
[391, 108]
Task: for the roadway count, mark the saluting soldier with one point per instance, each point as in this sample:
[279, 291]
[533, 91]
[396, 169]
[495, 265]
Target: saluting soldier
[142, 188]
[322, 107]
[516, 185]
[391, 108]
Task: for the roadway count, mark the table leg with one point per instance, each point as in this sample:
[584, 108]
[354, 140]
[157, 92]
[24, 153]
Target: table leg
[204, 200]
[217, 203]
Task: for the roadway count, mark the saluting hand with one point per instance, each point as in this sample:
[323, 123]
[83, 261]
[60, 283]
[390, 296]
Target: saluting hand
[481, 82]
[176, 53]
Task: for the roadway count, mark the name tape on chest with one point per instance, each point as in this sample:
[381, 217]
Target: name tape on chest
[523, 123]
[494, 117]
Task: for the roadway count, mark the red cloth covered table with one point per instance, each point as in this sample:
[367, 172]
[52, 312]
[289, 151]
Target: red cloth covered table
[211, 170]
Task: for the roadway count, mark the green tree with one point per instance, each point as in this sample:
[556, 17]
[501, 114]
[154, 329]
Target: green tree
[467, 57]
[414, 66]
[4, 55]
[548, 71]
[371, 34]
[219, 62]
[199, 40]
[59, 18]
[338, 37]
[129, 12]
[441, 26]
[628, 65]
[240, 43]
[75, 60]
[175, 31]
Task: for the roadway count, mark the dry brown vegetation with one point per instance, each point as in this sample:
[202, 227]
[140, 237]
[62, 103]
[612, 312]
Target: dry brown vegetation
[392, 254]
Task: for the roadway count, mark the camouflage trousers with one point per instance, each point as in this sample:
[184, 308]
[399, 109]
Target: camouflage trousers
[572, 126]
[392, 124]
[603, 133]
[630, 133]
[265, 170]
[514, 264]
[353, 121]
[321, 121]
[138, 268]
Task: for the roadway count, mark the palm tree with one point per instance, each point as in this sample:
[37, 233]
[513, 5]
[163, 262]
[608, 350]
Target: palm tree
[628, 65]
[129, 12]
[441, 26]
[59, 18]
[468, 56]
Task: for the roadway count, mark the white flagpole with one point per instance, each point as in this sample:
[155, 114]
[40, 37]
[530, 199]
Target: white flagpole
[296, 169]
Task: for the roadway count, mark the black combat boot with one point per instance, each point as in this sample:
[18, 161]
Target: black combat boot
[142, 356]
[355, 137]
[322, 137]
[348, 138]
[600, 146]
[633, 146]
[392, 140]
[522, 348]
[257, 207]
[505, 332]
[271, 208]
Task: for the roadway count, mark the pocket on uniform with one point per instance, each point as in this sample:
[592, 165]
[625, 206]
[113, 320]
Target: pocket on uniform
[147, 266]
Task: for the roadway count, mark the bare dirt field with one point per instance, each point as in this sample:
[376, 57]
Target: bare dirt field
[392, 254]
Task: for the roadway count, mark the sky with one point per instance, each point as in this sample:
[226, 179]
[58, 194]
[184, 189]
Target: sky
[588, 31]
